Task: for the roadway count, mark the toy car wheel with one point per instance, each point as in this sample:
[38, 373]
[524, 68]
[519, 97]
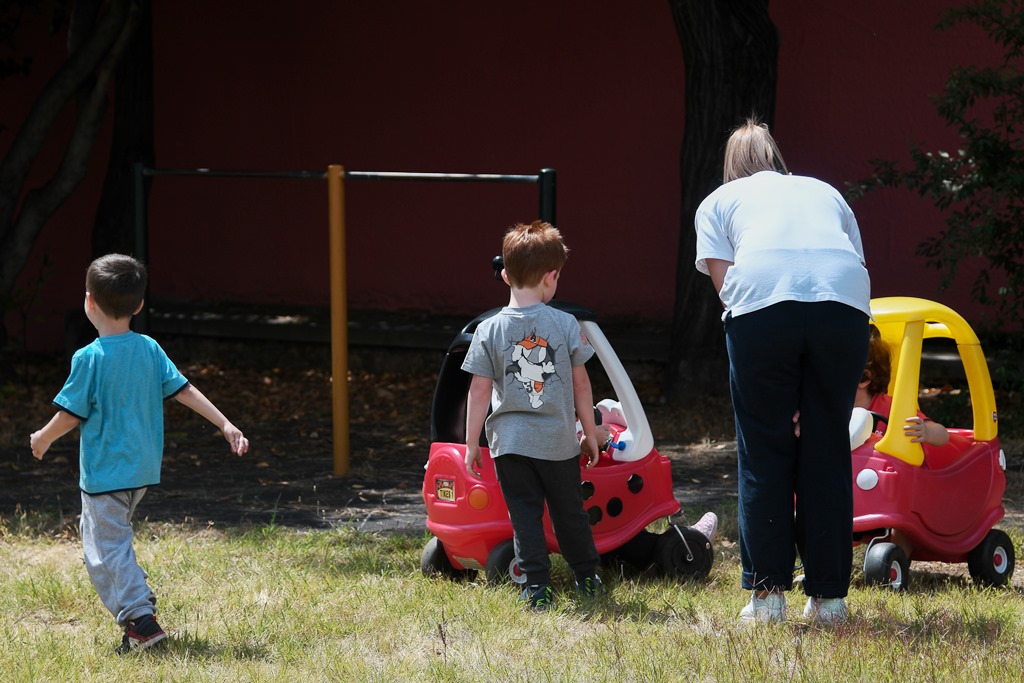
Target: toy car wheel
[636, 554]
[992, 562]
[684, 553]
[503, 566]
[434, 561]
[887, 565]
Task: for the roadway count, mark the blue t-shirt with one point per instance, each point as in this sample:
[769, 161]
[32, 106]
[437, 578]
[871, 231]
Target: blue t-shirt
[117, 388]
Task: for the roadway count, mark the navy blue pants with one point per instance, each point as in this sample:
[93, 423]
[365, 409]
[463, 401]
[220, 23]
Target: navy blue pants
[527, 484]
[787, 357]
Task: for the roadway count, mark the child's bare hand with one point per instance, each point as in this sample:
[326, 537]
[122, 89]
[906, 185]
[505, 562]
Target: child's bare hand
[590, 449]
[234, 436]
[796, 423]
[39, 444]
[58, 426]
[474, 461]
[915, 429]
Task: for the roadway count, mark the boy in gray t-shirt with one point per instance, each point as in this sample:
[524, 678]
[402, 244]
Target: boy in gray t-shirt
[532, 357]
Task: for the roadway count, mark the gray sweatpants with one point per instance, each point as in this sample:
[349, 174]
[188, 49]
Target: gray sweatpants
[106, 530]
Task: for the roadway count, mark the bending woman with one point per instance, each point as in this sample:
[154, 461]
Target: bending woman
[785, 255]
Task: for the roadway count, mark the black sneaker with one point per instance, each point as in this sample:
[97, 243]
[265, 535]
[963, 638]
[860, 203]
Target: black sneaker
[590, 586]
[538, 596]
[140, 634]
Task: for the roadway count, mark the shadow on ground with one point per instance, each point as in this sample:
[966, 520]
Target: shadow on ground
[279, 393]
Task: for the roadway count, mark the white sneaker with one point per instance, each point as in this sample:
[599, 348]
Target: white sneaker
[827, 611]
[770, 608]
[707, 525]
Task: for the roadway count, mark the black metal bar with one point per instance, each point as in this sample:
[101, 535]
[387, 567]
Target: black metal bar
[444, 177]
[545, 180]
[214, 173]
[141, 322]
[361, 175]
[547, 195]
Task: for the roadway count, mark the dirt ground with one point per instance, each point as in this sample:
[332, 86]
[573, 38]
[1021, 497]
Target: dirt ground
[279, 394]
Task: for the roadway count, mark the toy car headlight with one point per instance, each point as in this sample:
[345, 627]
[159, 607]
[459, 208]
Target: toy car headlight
[867, 479]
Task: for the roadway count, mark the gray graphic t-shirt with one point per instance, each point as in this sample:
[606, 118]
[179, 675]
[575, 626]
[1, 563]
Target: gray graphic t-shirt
[529, 354]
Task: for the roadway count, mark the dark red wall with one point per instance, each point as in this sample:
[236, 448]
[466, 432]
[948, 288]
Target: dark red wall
[855, 84]
[477, 87]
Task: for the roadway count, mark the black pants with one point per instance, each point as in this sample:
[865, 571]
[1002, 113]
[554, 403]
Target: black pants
[527, 484]
[787, 357]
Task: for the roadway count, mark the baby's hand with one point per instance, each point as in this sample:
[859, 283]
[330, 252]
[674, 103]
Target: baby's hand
[915, 429]
[234, 436]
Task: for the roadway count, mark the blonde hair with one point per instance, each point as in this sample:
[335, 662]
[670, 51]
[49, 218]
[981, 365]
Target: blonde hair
[530, 251]
[751, 149]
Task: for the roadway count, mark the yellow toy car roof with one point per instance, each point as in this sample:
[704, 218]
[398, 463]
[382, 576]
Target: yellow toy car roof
[904, 322]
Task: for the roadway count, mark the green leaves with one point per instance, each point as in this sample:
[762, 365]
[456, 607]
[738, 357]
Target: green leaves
[979, 186]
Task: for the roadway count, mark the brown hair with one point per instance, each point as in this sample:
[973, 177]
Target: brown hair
[530, 251]
[117, 284]
[878, 369]
[751, 149]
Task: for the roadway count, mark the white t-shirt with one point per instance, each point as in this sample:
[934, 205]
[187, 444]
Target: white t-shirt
[790, 238]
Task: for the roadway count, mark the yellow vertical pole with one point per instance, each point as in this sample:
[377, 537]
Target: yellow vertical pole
[339, 318]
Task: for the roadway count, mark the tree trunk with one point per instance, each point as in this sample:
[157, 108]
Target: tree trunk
[730, 51]
[113, 231]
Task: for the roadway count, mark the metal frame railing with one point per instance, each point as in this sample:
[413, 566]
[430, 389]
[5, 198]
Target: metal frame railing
[336, 175]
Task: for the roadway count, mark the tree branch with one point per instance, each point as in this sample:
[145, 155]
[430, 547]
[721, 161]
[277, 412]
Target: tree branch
[32, 135]
[41, 203]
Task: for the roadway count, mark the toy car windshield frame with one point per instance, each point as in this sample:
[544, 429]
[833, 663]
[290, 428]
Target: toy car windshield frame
[904, 323]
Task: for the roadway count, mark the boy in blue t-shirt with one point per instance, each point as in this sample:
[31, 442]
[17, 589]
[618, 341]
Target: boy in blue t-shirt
[533, 356]
[115, 393]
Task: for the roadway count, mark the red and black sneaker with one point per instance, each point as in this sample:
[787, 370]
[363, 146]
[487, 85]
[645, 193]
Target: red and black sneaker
[140, 634]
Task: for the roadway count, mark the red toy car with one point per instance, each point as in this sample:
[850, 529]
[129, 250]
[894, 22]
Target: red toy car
[629, 488]
[944, 501]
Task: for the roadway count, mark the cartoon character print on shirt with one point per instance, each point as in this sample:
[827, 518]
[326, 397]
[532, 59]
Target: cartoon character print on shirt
[532, 365]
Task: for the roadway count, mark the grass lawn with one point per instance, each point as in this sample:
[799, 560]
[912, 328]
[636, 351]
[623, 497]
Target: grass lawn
[262, 602]
[274, 604]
